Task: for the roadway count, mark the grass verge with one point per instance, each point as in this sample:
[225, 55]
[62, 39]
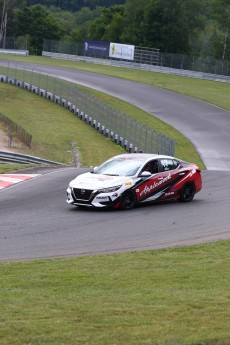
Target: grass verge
[216, 93]
[174, 296]
[56, 132]
[166, 297]
[213, 92]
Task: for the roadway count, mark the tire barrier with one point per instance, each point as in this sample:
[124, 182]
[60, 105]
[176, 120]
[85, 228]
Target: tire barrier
[133, 136]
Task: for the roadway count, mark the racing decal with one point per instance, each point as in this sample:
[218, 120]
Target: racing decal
[102, 198]
[156, 188]
[169, 194]
[128, 184]
[7, 180]
[192, 173]
[154, 196]
[153, 185]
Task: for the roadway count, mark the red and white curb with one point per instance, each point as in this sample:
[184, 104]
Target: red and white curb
[7, 180]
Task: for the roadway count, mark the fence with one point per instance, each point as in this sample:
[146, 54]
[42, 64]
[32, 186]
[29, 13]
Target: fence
[119, 127]
[141, 54]
[147, 56]
[15, 43]
[15, 129]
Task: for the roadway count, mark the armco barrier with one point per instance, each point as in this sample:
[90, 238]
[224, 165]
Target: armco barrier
[14, 52]
[159, 68]
[20, 158]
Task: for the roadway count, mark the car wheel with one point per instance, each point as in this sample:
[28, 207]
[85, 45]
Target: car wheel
[187, 193]
[128, 200]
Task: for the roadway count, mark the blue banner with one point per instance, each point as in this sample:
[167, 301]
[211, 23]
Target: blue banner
[96, 49]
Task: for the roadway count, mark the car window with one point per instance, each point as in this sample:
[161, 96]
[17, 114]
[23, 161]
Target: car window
[169, 164]
[122, 167]
[152, 167]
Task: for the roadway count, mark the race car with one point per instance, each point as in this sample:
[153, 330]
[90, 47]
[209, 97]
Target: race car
[127, 180]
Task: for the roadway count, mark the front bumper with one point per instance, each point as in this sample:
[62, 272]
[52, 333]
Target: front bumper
[91, 198]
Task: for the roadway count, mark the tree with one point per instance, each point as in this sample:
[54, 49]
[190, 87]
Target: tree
[83, 21]
[75, 5]
[65, 19]
[164, 24]
[102, 3]
[39, 24]
[7, 8]
[114, 29]
[221, 13]
[109, 25]
[133, 21]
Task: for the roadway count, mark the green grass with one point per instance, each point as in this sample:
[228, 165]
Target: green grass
[7, 168]
[55, 130]
[216, 93]
[166, 297]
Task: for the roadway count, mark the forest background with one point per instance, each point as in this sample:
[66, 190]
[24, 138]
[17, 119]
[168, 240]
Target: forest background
[191, 27]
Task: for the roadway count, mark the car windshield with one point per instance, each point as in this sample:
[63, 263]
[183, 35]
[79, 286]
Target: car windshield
[120, 167]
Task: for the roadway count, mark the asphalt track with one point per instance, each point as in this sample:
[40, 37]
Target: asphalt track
[36, 222]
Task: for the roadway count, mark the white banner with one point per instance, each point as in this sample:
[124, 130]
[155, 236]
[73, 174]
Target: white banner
[121, 51]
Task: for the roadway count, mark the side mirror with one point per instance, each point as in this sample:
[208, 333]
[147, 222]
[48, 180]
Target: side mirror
[94, 170]
[145, 174]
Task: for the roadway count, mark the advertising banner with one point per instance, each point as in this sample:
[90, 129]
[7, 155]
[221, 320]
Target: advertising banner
[96, 49]
[121, 51]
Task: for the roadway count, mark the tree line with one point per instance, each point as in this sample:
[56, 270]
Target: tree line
[192, 27]
[75, 5]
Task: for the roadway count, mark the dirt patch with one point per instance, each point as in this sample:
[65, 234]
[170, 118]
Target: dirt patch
[8, 144]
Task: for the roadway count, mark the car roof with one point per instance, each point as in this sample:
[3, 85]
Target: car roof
[145, 156]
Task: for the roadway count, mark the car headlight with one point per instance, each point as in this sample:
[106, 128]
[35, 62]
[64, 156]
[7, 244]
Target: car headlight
[109, 189]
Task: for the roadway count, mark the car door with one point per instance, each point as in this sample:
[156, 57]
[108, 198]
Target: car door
[155, 186]
[148, 187]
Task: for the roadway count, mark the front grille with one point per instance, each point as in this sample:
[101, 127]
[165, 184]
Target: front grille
[82, 194]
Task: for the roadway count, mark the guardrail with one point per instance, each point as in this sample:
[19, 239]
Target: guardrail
[132, 135]
[8, 157]
[14, 52]
[141, 66]
[144, 58]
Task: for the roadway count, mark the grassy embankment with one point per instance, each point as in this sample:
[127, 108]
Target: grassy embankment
[57, 145]
[55, 130]
[164, 297]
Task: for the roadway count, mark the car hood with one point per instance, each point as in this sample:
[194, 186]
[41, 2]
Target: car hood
[96, 181]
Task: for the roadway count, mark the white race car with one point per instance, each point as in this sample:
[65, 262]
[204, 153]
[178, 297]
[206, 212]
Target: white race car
[133, 178]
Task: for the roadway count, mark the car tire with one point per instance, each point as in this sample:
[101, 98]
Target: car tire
[187, 192]
[128, 200]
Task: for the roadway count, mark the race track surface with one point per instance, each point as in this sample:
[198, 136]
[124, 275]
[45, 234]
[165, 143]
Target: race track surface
[206, 126]
[36, 221]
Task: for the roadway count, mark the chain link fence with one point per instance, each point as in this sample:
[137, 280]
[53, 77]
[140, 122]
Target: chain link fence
[124, 130]
[14, 129]
[15, 43]
[145, 56]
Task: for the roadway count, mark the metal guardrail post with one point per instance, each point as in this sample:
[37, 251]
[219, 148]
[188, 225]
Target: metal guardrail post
[102, 115]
